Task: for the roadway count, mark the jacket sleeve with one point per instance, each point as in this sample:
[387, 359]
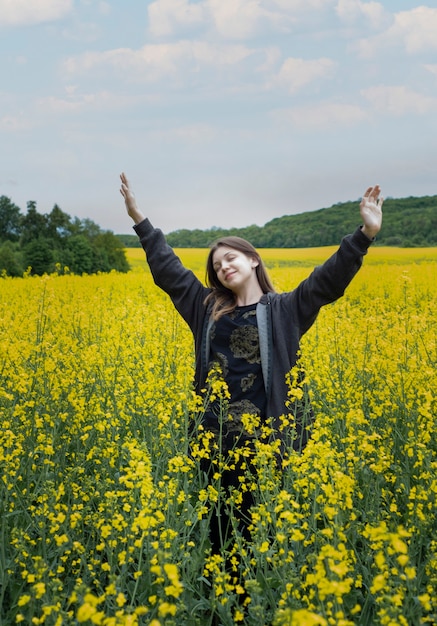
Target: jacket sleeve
[328, 282]
[184, 288]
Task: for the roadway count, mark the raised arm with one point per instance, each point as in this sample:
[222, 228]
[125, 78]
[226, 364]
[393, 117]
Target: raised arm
[180, 283]
[130, 201]
[329, 281]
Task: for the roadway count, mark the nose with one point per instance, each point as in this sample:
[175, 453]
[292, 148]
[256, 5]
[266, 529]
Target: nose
[224, 265]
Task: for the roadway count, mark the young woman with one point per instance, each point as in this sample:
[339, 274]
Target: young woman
[242, 328]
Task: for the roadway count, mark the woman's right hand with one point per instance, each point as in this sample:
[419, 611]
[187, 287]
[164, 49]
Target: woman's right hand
[129, 200]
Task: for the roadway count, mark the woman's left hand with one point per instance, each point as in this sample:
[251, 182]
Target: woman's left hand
[371, 211]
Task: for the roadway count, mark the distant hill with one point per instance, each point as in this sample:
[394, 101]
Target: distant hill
[407, 222]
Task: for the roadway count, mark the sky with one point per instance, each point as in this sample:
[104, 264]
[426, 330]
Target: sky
[222, 113]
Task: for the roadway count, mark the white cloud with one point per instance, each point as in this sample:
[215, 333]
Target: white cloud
[296, 73]
[71, 104]
[100, 101]
[414, 30]
[399, 100]
[167, 16]
[24, 12]
[14, 123]
[243, 18]
[355, 10]
[327, 116]
[417, 29]
[297, 6]
[431, 68]
[232, 19]
[152, 63]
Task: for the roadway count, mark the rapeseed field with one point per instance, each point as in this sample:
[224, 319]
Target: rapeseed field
[105, 513]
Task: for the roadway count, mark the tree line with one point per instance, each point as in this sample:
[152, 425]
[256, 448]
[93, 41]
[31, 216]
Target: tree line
[55, 242]
[407, 222]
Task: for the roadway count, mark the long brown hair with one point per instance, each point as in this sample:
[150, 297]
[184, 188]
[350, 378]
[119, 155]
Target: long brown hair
[223, 299]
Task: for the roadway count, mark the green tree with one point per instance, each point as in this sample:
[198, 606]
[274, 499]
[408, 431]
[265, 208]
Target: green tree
[9, 220]
[10, 259]
[109, 253]
[38, 255]
[78, 255]
[59, 225]
[88, 227]
[407, 222]
[33, 225]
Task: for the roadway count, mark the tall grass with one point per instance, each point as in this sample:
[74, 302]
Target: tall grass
[104, 510]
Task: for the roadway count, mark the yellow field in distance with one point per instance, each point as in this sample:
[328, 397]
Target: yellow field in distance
[195, 258]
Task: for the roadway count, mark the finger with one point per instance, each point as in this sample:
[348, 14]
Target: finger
[366, 197]
[372, 193]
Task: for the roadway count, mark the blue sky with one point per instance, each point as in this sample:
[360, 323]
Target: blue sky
[221, 112]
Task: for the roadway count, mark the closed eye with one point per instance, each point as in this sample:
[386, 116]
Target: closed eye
[228, 257]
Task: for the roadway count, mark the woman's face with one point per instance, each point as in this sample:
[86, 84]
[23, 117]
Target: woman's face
[233, 268]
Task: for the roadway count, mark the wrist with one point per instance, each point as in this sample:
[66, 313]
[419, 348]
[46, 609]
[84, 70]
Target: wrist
[136, 215]
[370, 233]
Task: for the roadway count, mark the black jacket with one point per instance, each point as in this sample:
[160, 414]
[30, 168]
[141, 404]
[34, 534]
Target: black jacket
[282, 317]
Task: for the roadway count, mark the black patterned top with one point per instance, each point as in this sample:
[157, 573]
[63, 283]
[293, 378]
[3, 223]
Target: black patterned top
[236, 354]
